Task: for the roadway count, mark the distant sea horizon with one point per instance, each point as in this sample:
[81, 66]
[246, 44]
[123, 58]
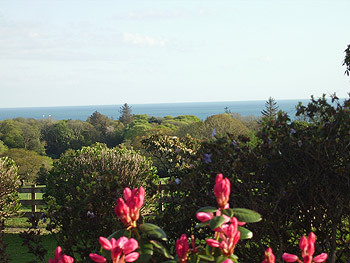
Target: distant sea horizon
[200, 109]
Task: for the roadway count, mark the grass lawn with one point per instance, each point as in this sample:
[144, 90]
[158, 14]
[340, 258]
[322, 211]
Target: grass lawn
[19, 254]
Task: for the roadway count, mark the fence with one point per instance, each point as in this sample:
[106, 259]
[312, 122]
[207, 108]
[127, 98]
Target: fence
[32, 201]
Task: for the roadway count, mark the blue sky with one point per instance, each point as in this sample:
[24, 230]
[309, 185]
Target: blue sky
[81, 52]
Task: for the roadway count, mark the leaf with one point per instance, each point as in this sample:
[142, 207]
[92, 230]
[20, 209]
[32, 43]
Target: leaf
[203, 224]
[160, 248]
[246, 215]
[228, 212]
[153, 231]
[207, 209]
[245, 233]
[145, 250]
[207, 257]
[119, 233]
[216, 221]
[220, 259]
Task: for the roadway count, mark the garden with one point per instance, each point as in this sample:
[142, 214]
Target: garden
[278, 194]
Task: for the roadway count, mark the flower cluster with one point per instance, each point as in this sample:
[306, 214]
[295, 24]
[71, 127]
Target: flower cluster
[269, 256]
[121, 250]
[128, 211]
[307, 247]
[61, 258]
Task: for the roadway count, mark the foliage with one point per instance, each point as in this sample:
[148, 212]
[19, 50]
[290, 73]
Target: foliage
[9, 183]
[3, 147]
[29, 163]
[271, 109]
[346, 61]
[125, 114]
[32, 239]
[82, 188]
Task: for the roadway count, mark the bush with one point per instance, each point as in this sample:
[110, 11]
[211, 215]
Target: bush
[82, 189]
[9, 183]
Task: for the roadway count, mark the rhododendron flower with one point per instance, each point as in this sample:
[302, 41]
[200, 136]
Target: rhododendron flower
[182, 248]
[307, 247]
[222, 191]
[228, 238]
[128, 211]
[61, 258]
[121, 250]
[269, 256]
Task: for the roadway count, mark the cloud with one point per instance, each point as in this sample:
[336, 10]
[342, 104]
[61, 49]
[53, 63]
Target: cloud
[139, 40]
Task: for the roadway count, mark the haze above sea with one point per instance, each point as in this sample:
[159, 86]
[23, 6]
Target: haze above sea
[200, 109]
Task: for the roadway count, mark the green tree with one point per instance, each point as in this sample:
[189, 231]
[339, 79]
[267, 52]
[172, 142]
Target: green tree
[346, 62]
[9, 184]
[271, 109]
[28, 162]
[3, 147]
[82, 189]
[11, 134]
[125, 114]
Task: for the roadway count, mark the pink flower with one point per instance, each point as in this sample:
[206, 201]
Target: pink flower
[121, 250]
[269, 256]
[222, 190]
[227, 261]
[307, 247]
[182, 248]
[128, 211]
[59, 258]
[228, 237]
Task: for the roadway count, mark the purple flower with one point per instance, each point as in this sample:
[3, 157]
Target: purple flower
[213, 133]
[292, 131]
[207, 157]
[234, 143]
[300, 143]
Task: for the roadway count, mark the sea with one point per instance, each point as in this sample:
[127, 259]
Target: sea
[200, 109]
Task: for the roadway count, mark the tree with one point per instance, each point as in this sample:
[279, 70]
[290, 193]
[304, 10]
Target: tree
[126, 117]
[271, 109]
[29, 163]
[347, 60]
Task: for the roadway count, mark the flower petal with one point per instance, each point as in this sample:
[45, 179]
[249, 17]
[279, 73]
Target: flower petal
[132, 257]
[213, 242]
[321, 258]
[97, 258]
[105, 243]
[289, 257]
[130, 246]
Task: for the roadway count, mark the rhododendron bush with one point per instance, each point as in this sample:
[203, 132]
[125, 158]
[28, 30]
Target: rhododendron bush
[137, 242]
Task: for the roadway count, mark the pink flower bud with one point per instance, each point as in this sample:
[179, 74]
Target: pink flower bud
[213, 242]
[105, 243]
[303, 243]
[269, 256]
[204, 217]
[97, 258]
[227, 261]
[289, 257]
[321, 258]
[67, 259]
[222, 190]
[182, 247]
[127, 193]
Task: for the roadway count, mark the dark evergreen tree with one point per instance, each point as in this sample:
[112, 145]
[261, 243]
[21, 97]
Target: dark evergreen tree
[347, 60]
[125, 114]
[271, 109]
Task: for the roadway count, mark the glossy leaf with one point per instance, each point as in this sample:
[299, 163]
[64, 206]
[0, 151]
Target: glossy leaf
[207, 209]
[153, 231]
[207, 257]
[203, 224]
[245, 233]
[161, 249]
[228, 212]
[145, 250]
[246, 215]
[216, 221]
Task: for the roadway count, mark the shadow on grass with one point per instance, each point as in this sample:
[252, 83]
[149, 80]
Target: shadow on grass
[19, 253]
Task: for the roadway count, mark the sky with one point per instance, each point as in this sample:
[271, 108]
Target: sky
[84, 52]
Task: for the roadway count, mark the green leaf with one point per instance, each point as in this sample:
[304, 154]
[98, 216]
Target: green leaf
[207, 257]
[228, 212]
[216, 221]
[145, 250]
[245, 233]
[119, 233]
[203, 224]
[153, 231]
[207, 209]
[246, 215]
[160, 248]
[220, 259]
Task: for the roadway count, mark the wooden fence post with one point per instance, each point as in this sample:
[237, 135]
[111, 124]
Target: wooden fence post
[33, 198]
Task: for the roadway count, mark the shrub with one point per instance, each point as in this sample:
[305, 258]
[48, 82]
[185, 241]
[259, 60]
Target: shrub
[82, 189]
[9, 183]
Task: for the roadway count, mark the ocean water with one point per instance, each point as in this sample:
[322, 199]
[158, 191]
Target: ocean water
[200, 109]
